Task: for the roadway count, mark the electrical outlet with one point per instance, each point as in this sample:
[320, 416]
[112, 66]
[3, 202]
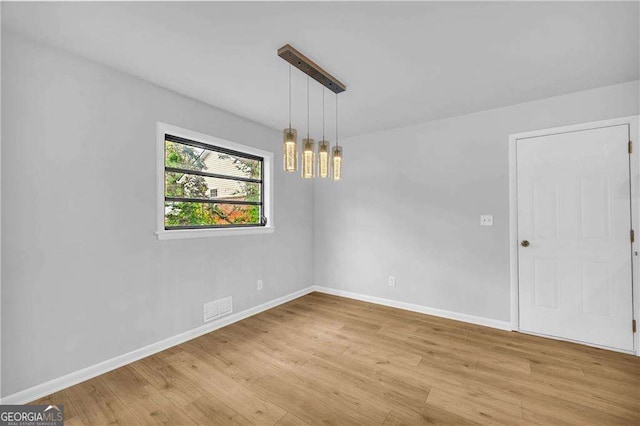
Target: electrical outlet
[392, 281]
[260, 285]
[486, 220]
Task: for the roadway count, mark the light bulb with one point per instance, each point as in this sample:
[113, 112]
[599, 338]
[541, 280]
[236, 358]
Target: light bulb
[337, 162]
[323, 159]
[308, 158]
[290, 149]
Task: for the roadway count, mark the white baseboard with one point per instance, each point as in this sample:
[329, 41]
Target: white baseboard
[487, 322]
[90, 372]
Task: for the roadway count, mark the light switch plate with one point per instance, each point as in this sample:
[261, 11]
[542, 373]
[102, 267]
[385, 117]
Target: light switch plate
[486, 220]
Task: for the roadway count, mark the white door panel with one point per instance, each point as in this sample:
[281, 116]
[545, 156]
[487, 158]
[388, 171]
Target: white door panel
[574, 209]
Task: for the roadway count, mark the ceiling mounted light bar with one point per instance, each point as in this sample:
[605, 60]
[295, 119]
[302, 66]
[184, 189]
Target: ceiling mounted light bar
[327, 159]
[313, 70]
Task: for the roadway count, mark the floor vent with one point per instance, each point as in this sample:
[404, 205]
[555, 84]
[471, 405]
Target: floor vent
[218, 308]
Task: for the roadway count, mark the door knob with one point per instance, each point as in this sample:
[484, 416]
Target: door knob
[524, 243]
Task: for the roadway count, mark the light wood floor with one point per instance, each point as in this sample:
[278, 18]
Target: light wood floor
[327, 360]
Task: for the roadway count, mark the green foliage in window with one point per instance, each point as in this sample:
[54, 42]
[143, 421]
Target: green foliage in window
[192, 186]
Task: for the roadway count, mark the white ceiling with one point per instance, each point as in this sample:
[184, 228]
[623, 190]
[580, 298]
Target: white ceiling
[403, 63]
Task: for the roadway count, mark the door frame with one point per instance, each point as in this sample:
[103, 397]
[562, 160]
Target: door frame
[634, 134]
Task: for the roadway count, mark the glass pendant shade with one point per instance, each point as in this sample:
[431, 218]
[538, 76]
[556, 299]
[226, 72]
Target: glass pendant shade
[290, 149]
[308, 158]
[337, 163]
[323, 159]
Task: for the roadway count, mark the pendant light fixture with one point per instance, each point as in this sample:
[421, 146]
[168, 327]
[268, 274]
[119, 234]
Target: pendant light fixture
[290, 140]
[337, 152]
[323, 149]
[290, 150]
[308, 148]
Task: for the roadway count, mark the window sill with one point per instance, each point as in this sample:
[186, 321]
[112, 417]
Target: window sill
[180, 234]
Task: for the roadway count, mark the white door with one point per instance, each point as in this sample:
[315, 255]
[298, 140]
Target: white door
[574, 224]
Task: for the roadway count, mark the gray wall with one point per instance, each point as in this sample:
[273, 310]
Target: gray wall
[411, 201]
[84, 278]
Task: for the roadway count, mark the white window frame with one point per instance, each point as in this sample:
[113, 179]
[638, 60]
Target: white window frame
[172, 234]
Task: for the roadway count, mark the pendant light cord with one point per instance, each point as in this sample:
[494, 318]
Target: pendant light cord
[323, 113]
[336, 119]
[308, 107]
[289, 95]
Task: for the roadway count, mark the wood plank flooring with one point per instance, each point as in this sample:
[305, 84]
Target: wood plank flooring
[323, 359]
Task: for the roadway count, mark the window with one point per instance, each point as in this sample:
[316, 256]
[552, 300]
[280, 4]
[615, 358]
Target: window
[209, 186]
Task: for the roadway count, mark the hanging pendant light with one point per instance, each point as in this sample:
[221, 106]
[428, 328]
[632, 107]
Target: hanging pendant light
[337, 152]
[337, 162]
[290, 140]
[329, 161]
[323, 149]
[323, 159]
[308, 148]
